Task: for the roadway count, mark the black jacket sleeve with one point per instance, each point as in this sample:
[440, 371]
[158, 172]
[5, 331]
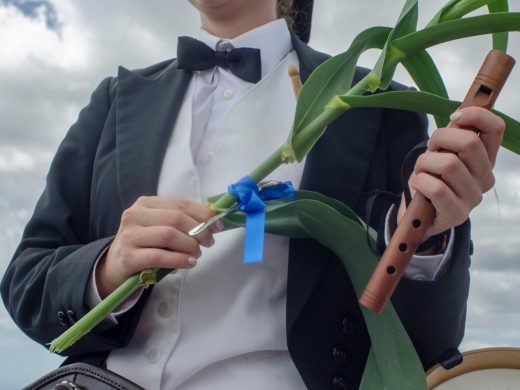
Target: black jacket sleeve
[44, 285]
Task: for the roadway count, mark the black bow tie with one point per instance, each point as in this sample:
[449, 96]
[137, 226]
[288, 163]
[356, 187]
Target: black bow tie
[242, 62]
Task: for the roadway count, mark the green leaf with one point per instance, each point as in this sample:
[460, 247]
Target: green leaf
[334, 76]
[430, 104]
[499, 39]
[331, 78]
[398, 364]
[394, 363]
[407, 21]
[424, 72]
[311, 119]
[457, 29]
[280, 219]
[371, 379]
[442, 12]
[456, 9]
[390, 56]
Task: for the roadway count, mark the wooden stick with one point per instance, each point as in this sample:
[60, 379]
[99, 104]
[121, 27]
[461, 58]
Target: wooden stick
[294, 74]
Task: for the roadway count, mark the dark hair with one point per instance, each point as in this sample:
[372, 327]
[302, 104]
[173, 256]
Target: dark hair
[285, 10]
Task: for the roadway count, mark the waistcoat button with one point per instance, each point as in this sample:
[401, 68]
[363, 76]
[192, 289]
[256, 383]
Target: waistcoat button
[348, 325]
[339, 383]
[340, 356]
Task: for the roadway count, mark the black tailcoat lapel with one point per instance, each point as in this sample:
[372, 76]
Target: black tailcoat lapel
[147, 107]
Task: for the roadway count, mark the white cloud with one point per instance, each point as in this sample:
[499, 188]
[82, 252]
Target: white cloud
[6, 322]
[15, 160]
[28, 39]
[493, 314]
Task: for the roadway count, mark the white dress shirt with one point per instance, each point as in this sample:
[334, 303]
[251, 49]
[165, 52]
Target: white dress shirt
[221, 325]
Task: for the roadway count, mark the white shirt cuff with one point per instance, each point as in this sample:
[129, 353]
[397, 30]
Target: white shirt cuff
[92, 297]
[422, 267]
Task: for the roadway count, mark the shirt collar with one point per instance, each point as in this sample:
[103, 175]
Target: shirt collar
[273, 39]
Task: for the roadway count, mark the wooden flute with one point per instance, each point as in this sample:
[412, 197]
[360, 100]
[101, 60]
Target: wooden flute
[420, 212]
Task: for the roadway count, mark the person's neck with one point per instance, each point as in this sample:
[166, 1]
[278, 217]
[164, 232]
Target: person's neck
[229, 27]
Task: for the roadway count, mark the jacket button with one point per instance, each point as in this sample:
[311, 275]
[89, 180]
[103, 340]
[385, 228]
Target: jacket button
[62, 318]
[339, 383]
[348, 325]
[340, 356]
[71, 315]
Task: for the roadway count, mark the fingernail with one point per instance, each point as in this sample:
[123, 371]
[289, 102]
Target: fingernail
[219, 225]
[212, 242]
[200, 253]
[192, 260]
[455, 116]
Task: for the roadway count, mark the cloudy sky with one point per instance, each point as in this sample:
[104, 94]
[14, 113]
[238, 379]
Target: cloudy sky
[53, 53]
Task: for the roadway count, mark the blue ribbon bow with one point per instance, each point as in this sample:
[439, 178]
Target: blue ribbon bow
[251, 200]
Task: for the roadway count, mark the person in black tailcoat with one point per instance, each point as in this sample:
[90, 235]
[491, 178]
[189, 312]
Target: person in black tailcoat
[99, 196]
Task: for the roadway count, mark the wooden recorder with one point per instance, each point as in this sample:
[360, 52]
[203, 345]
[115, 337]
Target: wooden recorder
[420, 213]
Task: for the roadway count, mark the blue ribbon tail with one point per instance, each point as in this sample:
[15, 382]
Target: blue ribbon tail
[251, 200]
[254, 241]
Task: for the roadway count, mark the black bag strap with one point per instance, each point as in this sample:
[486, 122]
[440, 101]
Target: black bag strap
[372, 201]
[407, 168]
[81, 376]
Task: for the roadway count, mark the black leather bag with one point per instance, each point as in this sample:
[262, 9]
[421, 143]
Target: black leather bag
[82, 376]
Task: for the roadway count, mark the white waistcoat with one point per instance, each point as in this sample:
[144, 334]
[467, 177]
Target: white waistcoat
[221, 325]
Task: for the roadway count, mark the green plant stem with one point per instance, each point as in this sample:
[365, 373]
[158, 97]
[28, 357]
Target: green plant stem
[361, 86]
[97, 314]
[500, 40]
[457, 29]
[330, 113]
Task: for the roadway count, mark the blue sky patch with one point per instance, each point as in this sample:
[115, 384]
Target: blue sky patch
[31, 8]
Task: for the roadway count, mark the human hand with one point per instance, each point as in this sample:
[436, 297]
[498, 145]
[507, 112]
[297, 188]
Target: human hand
[154, 234]
[457, 168]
